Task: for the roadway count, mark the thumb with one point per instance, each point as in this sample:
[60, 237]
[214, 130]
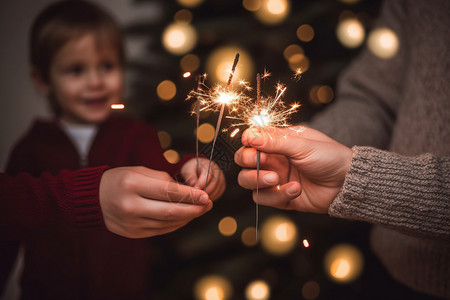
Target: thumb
[274, 140]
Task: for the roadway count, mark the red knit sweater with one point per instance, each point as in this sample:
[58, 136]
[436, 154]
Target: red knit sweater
[64, 262]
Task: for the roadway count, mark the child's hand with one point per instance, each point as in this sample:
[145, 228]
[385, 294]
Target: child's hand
[137, 202]
[216, 179]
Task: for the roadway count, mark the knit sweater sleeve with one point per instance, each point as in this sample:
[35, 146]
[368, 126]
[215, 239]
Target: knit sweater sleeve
[368, 91]
[30, 204]
[411, 194]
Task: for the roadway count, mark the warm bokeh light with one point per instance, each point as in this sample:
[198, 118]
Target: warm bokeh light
[321, 94]
[183, 16]
[252, 5]
[343, 263]
[305, 33]
[350, 33]
[206, 133]
[220, 62]
[117, 106]
[383, 42]
[166, 90]
[257, 290]
[278, 235]
[325, 94]
[248, 236]
[305, 243]
[227, 226]
[292, 50]
[213, 287]
[273, 12]
[179, 38]
[190, 62]
[310, 290]
[172, 156]
[296, 58]
[299, 62]
[164, 139]
[190, 3]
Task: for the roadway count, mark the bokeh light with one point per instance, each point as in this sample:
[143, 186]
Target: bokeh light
[295, 56]
[305, 243]
[164, 139]
[343, 263]
[206, 133]
[278, 235]
[183, 16]
[273, 12]
[350, 33]
[190, 3]
[171, 156]
[179, 38]
[292, 50]
[220, 62]
[383, 42]
[325, 94]
[305, 33]
[166, 90]
[227, 226]
[213, 287]
[252, 5]
[313, 99]
[190, 62]
[117, 106]
[257, 290]
[310, 290]
[248, 236]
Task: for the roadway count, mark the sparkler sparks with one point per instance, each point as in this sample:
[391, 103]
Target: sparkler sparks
[213, 99]
[264, 112]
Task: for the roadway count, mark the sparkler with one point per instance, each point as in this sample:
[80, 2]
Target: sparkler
[264, 112]
[216, 99]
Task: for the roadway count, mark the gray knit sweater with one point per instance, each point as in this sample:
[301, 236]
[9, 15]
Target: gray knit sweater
[396, 115]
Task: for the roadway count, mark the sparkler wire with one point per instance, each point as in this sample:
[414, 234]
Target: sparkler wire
[219, 120]
[197, 113]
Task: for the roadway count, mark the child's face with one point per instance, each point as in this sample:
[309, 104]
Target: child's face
[86, 81]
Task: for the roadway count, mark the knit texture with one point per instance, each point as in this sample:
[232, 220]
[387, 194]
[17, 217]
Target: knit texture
[401, 105]
[84, 196]
[380, 188]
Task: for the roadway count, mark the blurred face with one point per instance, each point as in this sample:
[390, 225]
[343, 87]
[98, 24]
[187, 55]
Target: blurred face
[85, 80]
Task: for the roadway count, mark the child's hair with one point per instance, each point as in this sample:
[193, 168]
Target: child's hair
[63, 21]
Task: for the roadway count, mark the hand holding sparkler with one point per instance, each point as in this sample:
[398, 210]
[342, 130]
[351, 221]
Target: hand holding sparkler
[195, 176]
[301, 168]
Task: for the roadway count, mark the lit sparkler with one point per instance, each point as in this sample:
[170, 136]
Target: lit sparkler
[216, 99]
[264, 112]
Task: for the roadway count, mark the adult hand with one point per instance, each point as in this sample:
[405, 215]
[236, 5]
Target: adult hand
[138, 202]
[300, 168]
[216, 179]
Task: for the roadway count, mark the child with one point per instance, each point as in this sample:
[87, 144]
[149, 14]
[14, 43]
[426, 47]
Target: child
[77, 61]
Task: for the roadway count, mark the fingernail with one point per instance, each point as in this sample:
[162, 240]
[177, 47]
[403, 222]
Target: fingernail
[256, 139]
[270, 178]
[293, 189]
[203, 199]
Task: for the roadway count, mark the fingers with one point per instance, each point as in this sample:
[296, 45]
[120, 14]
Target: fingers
[170, 213]
[247, 179]
[165, 190]
[282, 197]
[283, 141]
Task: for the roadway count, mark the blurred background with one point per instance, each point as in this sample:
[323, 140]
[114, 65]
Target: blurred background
[170, 43]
